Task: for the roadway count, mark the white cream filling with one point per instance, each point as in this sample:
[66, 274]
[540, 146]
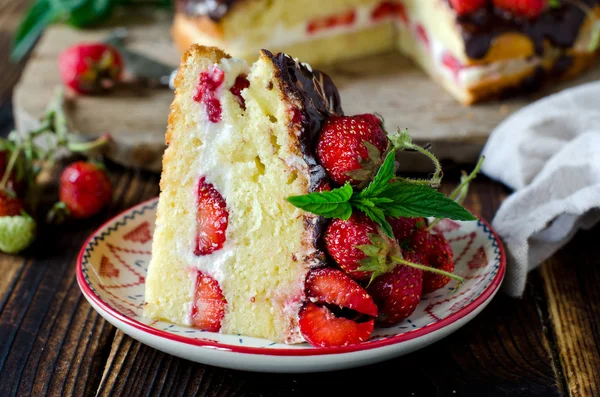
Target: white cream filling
[207, 165]
[281, 36]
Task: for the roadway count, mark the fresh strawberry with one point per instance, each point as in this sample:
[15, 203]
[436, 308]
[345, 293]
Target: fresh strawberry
[84, 189]
[351, 148]
[398, 292]
[16, 232]
[212, 219]
[241, 82]
[322, 328]
[522, 8]
[333, 287]
[342, 239]
[403, 228]
[208, 308]
[463, 7]
[90, 68]
[436, 253]
[9, 205]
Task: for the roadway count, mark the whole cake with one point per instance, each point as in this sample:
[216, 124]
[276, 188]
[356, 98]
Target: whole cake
[474, 48]
[279, 217]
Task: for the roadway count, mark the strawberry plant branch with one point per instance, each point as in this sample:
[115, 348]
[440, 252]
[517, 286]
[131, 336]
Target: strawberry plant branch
[9, 167]
[460, 192]
[453, 276]
[401, 140]
[383, 254]
[29, 158]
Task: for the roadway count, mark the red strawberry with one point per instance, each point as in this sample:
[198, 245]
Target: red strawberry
[90, 68]
[342, 239]
[321, 328]
[9, 205]
[384, 9]
[241, 82]
[338, 312]
[331, 286]
[208, 308]
[403, 228]
[84, 188]
[212, 219]
[523, 8]
[437, 253]
[467, 6]
[342, 151]
[397, 293]
[208, 84]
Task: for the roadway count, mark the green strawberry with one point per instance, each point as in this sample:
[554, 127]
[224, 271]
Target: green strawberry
[16, 233]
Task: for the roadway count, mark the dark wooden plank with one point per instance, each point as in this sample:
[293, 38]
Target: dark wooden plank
[53, 341]
[571, 280]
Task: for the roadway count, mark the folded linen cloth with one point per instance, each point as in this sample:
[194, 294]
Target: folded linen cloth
[549, 153]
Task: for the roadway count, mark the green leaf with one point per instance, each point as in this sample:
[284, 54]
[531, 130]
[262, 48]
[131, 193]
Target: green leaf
[330, 204]
[90, 12]
[384, 175]
[377, 215]
[422, 201]
[40, 15]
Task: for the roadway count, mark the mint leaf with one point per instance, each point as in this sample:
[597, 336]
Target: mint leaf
[377, 215]
[384, 175]
[421, 201]
[330, 204]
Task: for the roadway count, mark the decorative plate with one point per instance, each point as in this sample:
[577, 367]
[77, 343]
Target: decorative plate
[113, 262]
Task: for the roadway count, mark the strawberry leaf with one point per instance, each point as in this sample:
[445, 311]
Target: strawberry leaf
[384, 175]
[329, 204]
[421, 201]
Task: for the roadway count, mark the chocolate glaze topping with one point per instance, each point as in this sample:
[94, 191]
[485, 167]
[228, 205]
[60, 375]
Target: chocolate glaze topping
[559, 25]
[320, 100]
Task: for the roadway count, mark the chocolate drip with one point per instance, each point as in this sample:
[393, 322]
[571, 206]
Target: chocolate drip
[560, 26]
[320, 100]
[215, 9]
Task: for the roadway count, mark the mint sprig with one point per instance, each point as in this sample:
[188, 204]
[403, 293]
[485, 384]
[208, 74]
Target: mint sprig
[382, 199]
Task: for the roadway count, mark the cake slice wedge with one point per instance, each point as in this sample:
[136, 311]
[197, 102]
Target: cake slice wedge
[259, 160]
[230, 254]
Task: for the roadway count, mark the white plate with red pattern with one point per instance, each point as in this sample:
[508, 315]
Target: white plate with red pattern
[113, 262]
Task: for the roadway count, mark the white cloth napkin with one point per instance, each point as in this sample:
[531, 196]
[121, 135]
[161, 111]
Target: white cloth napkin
[549, 153]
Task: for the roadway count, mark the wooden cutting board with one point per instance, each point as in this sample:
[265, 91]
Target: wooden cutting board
[388, 84]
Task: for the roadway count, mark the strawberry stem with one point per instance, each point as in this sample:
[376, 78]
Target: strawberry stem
[460, 192]
[402, 141]
[9, 167]
[402, 261]
[78, 147]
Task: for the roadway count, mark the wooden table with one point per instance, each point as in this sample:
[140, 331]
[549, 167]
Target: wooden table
[53, 343]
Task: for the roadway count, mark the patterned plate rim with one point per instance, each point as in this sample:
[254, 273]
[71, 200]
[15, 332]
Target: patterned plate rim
[368, 345]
